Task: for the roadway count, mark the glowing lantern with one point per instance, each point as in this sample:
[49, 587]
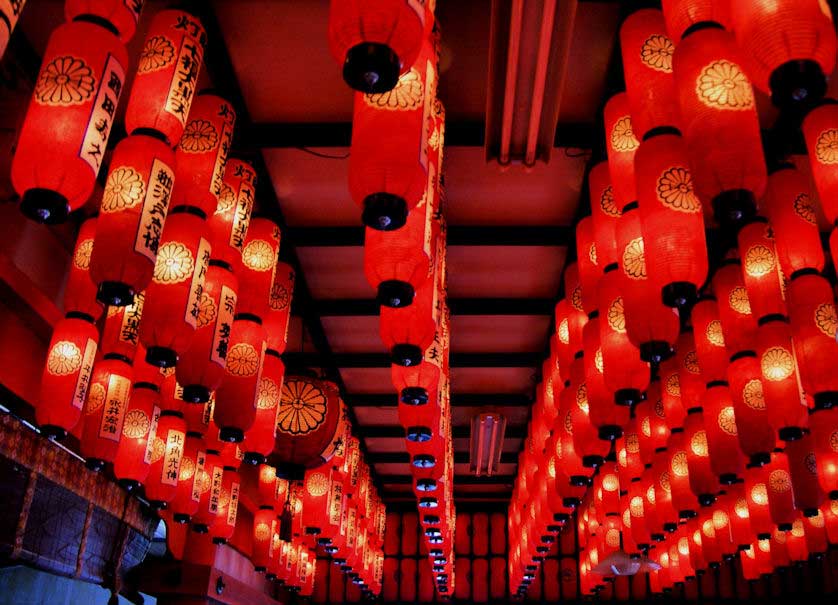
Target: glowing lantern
[651, 422]
[824, 427]
[804, 475]
[683, 499]
[130, 465]
[165, 456]
[388, 175]
[207, 485]
[9, 15]
[107, 400]
[635, 503]
[749, 406]
[702, 480]
[675, 249]
[238, 395]
[229, 224]
[605, 213]
[224, 523]
[791, 47]
[65, 133]
[167, 76]
[322, 504]
[760, 269]
[308, 421]
[121, 330]
[738, 515]
[623, 371]
[785, 404]
[621, 144]
[705, 525]
[376, 41]
[172, 300]
[570, 460]
[720, 123]
[259, 259]
[80, 291]
[587, 263]
[690, 392]
[789, 206]
[756, 496]
[814, 324]
[192, 478]
[259, 438]
[721, 431]
[650, 326]
[734, 304]
[658, 484]
[607, 417]
[201, 155]
[571, 336]
[816, 527]
[709, 339]
[780, 494]
[264, 528]
[122, 16]
[279, 307]
[408, 331]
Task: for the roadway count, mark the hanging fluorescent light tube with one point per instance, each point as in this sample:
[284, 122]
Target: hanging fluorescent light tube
[486, 443]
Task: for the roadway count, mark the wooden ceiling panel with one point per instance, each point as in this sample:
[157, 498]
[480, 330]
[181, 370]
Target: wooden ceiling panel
[512, 333]
[505, 271]
[513, 415]
[492, 380]
[380, 445]
[353, 334]
[377, 416]
[367, 380]
[335, 272]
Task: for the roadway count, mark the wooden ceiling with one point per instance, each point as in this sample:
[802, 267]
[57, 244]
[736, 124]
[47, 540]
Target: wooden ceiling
[510, 227]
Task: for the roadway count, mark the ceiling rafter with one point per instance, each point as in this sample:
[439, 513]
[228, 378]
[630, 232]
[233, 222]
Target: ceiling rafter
[459, 458]
[459, 479]
[382, 360]
[461, 400]
[360, 307]
[391, 431]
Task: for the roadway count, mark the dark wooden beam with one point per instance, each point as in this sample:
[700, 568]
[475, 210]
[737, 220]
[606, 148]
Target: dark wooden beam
[382, 360]
[457, 235]
[505, 480]
[358, 307]
[391, 431]
[377, 400]
[404, 458]
[406, 495]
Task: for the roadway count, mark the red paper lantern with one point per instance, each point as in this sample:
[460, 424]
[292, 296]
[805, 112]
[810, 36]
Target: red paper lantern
[228, 225]
[408, 331]
[131, 466]
[804, 475]
[635, 505]
[200, 368]
[322, 505]
[651, 421]
[224, 523]
[237, 396]
[201, 155]
[208, 485]
[308, 421]
[259, 438]
[813, 325]
[570, 461]
[734, 305]
[758, 437]
[264, 528]
[722, 433]
[780, 494]
[816, 527]
[376, 41]
[587, 263]
[647, 64]
[650, 326]
[760, 270]
[690, 380]
[659, 502]
[586, 437]
[121, 331]
[605, 213]
[709, 339]
[66, 129]
[824, 426]
[199, 417]
[675, 249]
[673, 406]
[625, 374]
[167, 76]
[719, 123]
[165, 458]
[66, 376]
[279, 307]
[683, 499]
[80, 291]
[173, 299]
[191, 478]
[607, 417]
[122, 16]
[389, 175]
[575, 314]
[820, 127]
[756, 496]
[791, 47]
[107, 400]
[259, 260]
[702, 479]
[621, 144]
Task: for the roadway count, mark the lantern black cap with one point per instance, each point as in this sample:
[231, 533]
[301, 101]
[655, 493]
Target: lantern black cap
[129, 485]
[679, 294]
[418, 434]
[44, 206]
[115, 294]
[161, 357]
[655, 351]
[424, 461]
[406, 355]
[733, 209]
[395, 294]
[231, 434]
[627, 397]
[196, 393]
[426, 485]
[609, 432]
[790, 433]
[592, 461]
[52, 431]
[181, 518]
[384, 211]
[95, 464]
[253, 458]
[371, 67]
[797, 85]
[414, 396]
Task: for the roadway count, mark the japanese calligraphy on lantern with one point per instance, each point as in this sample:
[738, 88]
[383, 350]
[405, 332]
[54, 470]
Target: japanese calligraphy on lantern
[116, 400]
[215, 488]
[244, 205]
[198, 477]
[99, 124]
[223, 325]
[185, 78]
[351, 526]
[129, 329]
[152, 433]
[429, 215]
[172, 457]
[83, 380]
[233, 505]
[206, 415]
[335, 502]
[229, 116]
[155, 209]
[427, 108]
[196, 289]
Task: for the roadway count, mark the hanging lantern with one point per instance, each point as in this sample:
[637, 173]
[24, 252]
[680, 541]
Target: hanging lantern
[264, 528]
[760, 270]
[224, 523]
[709, 339]
[785, 404]
[201, 155]
[66, 376]
[650, 326]
[121, 332]
[377, 41]
[9, 15]
[780, 494]
[259, 260]
[308, 421]
[172, 300]
[65, 133]
[80, 291]
[130, 465]
[388, 176]
[121, 16]
[621, 144]
[734, 305]
[587, 263]
[675, 249]
[824, 427]
[192, 478]
[200, 368]
[571, 337]
[605, 213]
[683, 499]
[322, 505]
[228, 225]
[691, 384]
[624, 373]
[756, 496]
[804, 475]
[651, 421]
[757, 441]
[702, 480]
[720, 123]
[586, 437]
[107, 400]
[635, 505]
[813, 325]
[658, 483]
[647, 64]
[133, 212]
[672, 404]
[259, 438]
[165, 458]
[604, 415]
[279, 307]
[167, 76]
[570, 460]
[207, 484]
[820, 128]
[722, 433]
[237, 396]
[790, 46]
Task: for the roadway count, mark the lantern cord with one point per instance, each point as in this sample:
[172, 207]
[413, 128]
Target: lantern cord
[324, 155]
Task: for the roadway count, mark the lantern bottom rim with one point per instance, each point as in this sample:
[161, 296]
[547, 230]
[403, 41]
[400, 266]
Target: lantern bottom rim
[44, 206]
[414, 396]
[231, 434]
[371, 67]
[395, 294]
[789, 433]
[94, 464]
[253, 458]
[609, 432]
[733, 209]
[679, 294]
[53, 431]
[384, 211]
[196, 393]
[161, 357]
[592, 461]
[797, 84]
[406, 355]
[129, 485]
[655, 351]
[114, 293]
[181, 518]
